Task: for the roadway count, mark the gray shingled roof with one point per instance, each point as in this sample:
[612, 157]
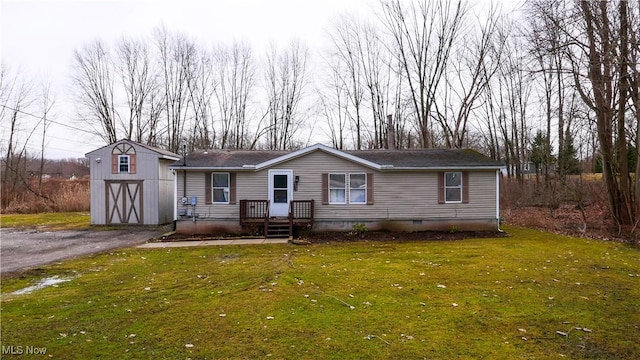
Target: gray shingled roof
[229, 158]
[403, 159]
[426, 158]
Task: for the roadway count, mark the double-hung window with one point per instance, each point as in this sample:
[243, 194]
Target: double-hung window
[123, 163]
[453, 187]
[220, 187]
[337, 189]
[357, 188]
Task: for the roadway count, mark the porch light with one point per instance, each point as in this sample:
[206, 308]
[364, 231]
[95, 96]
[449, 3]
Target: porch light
[295, 183]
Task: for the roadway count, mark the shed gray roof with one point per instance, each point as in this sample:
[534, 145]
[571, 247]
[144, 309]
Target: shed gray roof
[379, 159]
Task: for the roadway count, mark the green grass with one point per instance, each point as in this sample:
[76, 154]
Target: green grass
[51, 220]
[294, 302]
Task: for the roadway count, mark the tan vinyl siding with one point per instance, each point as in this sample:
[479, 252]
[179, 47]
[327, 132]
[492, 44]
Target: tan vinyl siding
[406, 195]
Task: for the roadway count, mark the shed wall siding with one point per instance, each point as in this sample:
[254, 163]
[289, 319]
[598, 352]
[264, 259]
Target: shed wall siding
[400, 195]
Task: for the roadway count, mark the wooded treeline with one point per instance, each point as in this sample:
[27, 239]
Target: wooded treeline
[554, 84]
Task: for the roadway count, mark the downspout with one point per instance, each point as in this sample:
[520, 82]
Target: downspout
[184, 183]
[175, 199]
[184, 172]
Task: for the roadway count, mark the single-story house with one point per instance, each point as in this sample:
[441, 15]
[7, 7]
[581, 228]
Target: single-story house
[131, 184]
[328, 189]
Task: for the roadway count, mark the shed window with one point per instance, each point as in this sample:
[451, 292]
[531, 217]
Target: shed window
[357, 188]
[453, 187]
[337, 189]
[220, 187]
[123, 163]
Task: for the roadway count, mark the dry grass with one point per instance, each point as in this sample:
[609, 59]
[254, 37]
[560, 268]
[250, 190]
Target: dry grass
[58, 195]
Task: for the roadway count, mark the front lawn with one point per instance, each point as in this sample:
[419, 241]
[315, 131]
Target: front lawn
[49, 220]
[531, 295]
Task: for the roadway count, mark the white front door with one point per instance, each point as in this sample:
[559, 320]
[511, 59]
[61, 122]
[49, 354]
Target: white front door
[280, 192]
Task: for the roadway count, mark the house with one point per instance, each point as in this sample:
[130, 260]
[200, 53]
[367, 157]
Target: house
[328, 189]
[131, 184]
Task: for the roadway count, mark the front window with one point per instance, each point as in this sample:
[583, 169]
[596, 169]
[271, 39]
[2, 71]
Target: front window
[453, 187]
[220, 188]
[357, 188]
[337, 189]
[123, 163]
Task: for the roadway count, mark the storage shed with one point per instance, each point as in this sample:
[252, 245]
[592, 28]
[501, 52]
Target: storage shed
[131, 184]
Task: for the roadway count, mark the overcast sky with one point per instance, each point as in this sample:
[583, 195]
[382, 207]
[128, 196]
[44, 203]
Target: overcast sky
[38, 37]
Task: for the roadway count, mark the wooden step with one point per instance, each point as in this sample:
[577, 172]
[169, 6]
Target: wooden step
[278, 230]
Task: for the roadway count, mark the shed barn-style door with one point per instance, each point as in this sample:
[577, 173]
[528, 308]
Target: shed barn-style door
[124, 202]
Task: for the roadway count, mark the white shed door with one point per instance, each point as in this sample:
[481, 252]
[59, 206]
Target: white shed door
[124, 202]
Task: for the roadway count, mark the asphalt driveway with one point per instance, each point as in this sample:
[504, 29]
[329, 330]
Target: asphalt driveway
[24, 249]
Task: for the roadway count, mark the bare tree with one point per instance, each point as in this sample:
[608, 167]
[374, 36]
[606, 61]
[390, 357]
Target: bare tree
[345, 35]
[506, 101]
[16, 95]
[286, 78]
[234, 84]
[334, 109]
[177, 61]
[607, 40]
[18, 98]
[423, 34]
[477, 59]
[200, 92]
[94, 83]
[633, 18]
[47, 104]
[136, 73]
[550, 39]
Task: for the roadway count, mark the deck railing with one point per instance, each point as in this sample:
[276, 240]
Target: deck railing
[301, 209]
[253, 210]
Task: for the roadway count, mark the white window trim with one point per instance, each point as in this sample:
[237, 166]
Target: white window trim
[128, 164]
[346, 186]
[365, 189]
[213, 188]
[452, 187]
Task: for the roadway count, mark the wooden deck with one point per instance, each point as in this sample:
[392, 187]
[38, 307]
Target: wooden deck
[254, 212]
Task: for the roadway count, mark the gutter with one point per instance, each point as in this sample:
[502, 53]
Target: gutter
[382, 168]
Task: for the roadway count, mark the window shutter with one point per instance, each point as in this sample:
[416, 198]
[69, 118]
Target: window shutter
[132, 164]
[232, 188]
[369, 188]
[325, 189]
[207, 188]
[465, 187]
[114, 164]
[440, 188]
